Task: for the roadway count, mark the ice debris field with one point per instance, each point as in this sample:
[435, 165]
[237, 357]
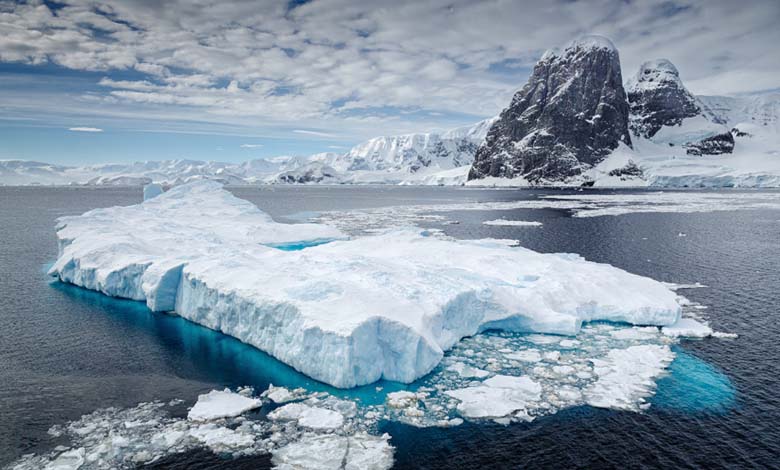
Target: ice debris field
[401, 304]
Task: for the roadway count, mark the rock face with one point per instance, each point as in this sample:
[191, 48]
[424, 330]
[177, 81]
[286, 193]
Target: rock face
[658, 98]
[570, 115]
[715, 145]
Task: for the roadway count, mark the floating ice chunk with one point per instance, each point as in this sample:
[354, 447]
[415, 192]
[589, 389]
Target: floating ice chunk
[634, 333]
[564, 370]
[687, 327]
[402, 399]
[68, 460]
[569, 343]
[512, 223]
[528, 355]
[152, 190]
[221, 404]
[721, 334]
[543, 339]
[220, 438]
[496, 397]
[674, 286]
[627, 376]
[329, 451]
[282, 394]
[348, 312]
[552, 356]
[312, 417]
[467, 371]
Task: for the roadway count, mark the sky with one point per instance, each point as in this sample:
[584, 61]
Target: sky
[86, 81]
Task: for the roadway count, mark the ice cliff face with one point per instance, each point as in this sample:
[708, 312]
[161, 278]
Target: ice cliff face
[346, 312]
[569, 116]
[658, 98]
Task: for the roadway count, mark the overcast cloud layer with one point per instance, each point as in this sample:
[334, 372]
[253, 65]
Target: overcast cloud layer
[356, 68]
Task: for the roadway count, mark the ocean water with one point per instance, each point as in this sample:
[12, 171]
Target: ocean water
[65, 351]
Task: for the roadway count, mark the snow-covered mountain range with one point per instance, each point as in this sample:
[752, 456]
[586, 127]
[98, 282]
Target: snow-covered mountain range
[575, 123]
[410, 158]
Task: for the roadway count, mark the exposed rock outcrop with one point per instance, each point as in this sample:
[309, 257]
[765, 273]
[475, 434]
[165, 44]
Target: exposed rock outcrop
[658, 98]
[570, 115]
[715, 145]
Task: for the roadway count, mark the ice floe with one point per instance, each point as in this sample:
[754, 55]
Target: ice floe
[348, 312]
[582, 204]
[308, 416]
[512, 223]
[497, 397]
[221, 404]
[627, 376]
[318, 451]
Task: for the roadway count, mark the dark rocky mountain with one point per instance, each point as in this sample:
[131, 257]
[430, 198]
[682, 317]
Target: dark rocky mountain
[570, 115]
[658, 98]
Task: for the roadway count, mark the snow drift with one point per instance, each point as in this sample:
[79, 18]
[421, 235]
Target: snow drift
[347, 312]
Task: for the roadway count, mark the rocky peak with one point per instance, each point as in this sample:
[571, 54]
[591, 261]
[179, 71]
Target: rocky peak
[570, 115]
[658, 98]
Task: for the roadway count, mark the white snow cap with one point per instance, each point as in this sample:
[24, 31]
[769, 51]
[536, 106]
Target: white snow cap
[591, 42]
[581, 43]
[654, 73]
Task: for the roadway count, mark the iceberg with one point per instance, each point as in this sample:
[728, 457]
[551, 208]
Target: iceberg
[347, 312]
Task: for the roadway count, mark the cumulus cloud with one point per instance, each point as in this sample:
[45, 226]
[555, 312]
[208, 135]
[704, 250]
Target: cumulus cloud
[85, 129]
[348, 64]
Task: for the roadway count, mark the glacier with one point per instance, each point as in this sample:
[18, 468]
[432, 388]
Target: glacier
[347, 312]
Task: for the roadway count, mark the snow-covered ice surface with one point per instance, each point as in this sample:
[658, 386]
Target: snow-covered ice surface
[513, 223]
[221, 404]
[348, 312]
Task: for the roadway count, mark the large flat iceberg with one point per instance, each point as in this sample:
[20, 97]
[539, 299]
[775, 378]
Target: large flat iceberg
[348, 312]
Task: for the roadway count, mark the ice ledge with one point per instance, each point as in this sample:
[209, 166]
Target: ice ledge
[349, 312]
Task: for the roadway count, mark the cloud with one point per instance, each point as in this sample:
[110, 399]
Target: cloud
[85, 129]
[251, 146]
[357, 66]
[314, 133]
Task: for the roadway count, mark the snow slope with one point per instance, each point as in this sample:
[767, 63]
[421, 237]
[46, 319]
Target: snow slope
[348, 312]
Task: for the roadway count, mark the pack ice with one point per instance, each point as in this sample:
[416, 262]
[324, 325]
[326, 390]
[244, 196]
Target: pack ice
[347, 312]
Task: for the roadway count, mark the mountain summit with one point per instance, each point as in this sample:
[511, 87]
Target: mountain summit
[658, 98]
[570, 115]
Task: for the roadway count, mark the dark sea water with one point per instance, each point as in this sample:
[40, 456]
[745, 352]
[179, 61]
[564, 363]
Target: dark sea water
[65, 351]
